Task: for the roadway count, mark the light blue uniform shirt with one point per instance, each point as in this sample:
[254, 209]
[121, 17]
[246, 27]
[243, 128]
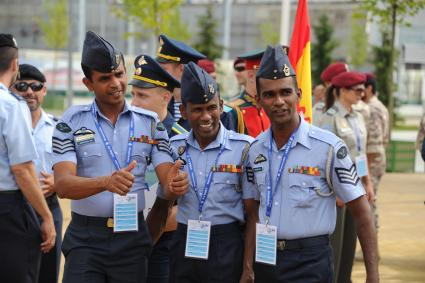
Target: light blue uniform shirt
[43, 133]
[76, 139]
[16, 143]
[224, 201]
[298, 210]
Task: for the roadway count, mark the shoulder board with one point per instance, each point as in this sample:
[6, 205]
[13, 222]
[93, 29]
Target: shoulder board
[73, 110]
[145, 112]
[240, 137]
[319, 106]
[236, 102]
[323, 135]
[18, 97]
[179, 137]
[227, 108]
[178, 129]
[332, 111]
[53, 117]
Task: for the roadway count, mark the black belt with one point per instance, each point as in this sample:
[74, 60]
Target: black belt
[97, 221]
[215, 229]
[303, 243]
[11, 195]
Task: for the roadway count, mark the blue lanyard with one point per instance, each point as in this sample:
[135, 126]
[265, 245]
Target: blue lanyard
[208, 181]
[108, 144]
[270, 192]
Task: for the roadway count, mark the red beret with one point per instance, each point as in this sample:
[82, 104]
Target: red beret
[237, 61]
[348, 79]
[207, 65]
[332, 70]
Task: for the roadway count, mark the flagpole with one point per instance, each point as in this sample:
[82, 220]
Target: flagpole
[285, 14]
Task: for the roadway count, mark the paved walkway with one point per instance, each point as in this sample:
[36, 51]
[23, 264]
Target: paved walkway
[401, 236]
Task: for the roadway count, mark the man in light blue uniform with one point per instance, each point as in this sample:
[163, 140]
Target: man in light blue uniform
[299, 169]
[19, 228]
[31, 86]
[215, 160]
[101, 151]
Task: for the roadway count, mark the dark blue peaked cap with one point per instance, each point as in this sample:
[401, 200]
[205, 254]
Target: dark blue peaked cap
[275, 64]
[197, 86]
[149, 74]
[171, 50]
[99, 54]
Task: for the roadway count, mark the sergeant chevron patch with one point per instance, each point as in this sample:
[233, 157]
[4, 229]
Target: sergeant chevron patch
[347, 176]
[62, 146]
[164, 145]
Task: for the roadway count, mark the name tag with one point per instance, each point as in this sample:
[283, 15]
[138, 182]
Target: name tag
[125, 213]
[198, 239]
[265, 243]
[361, 165]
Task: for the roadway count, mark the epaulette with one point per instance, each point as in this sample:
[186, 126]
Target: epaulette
[179, 137]
[178, 129]
[145, 112]
[332, 111]
[73, 110]
[240, 137]
[53, 117]
[236, 103]
[18, 97]
[323, 135]
[319, 106]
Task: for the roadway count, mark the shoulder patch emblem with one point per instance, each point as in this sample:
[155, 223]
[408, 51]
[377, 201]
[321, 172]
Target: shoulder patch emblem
[260, 158]
[342, 152]
[63, 127]
[181, 150]
[160, 126]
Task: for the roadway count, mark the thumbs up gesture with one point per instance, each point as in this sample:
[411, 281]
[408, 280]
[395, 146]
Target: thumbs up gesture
[121, 181]
[178, 182]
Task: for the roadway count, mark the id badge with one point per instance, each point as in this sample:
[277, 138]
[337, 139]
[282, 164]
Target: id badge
[266, 244]
[361, 165]
[198, 239]
[125, 213]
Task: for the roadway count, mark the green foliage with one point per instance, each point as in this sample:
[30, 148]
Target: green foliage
[322, 49]
[206, 43]
[269, 34]
[153, 17]
[381, 60]
[55, 25]
[358, 44]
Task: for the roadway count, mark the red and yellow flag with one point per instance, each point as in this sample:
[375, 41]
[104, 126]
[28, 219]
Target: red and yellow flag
[299, 55]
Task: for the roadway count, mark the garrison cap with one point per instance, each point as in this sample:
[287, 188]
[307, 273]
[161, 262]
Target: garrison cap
[30, 72]
[99, 54]
[171, 50]
[7, 40]
[275, 64]
[332, 70]
[149, 74]
[348, 79]
[198, 86]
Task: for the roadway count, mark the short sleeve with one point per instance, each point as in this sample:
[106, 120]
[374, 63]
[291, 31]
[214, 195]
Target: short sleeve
[162, 151]
[17, 135]
[249, 187]
[63, 145]
[345, 180]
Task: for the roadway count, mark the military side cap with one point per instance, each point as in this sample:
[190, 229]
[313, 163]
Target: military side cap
[7, 40]
[332, 70]
[197, 86]
[99, 54]
[348, 79]
[30, 72]
[275, 64]
[171, 50]
[149, 74]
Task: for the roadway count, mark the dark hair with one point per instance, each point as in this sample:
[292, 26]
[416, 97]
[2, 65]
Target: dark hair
[330, 97]
[7, 55]
[257, 84]
[371, 83]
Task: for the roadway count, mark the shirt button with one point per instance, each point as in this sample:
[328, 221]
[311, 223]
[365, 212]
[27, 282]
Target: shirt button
[304, 184]
[202, 152]
[84, 153]
[115, 132]
[276, 203]
[227, 182]
[200, 173]
[279, 157]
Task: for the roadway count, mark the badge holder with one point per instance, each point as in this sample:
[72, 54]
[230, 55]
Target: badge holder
[125, 213]
[361, 165]
[266, 243]
[198, 239]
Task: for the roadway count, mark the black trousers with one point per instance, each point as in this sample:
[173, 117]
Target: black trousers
[301, 264]
[95, 254]
[19, 240]
[50, 262]
[159, 260]
[224, 262]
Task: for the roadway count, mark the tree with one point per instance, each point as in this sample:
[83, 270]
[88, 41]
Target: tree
[55, 28]
[321, 51]
[155, 16]
[389, 14]
[206, 42]
[358, 44]
[269, 34]
[381, 61]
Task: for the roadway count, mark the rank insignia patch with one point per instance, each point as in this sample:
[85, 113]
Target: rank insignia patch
[306, 170]
[249, 174]
[347, 176]
[84, 136]
[230, 168]
[260, 158]
[62, 146]
[164, 145]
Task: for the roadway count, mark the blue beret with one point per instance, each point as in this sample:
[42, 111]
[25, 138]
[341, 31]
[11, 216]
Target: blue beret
[171, 50]
[99, 54]
[275, 64]
[197, 86]
[7, 40]
[30, 72]
[149, 74]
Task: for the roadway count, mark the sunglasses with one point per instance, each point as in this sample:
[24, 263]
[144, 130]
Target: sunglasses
[239, 69]
[23, 86]
[357, 90]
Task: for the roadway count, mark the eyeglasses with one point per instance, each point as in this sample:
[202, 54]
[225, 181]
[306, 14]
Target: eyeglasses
[358, 90]
[239, 69]
[23, 86]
